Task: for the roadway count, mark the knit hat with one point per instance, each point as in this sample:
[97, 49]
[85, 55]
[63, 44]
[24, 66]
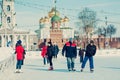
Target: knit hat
[70, 39]
[91, 41]
[19, 41]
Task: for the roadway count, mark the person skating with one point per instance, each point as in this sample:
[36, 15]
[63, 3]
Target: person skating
[50, 54]
[70, 54]
[90, 52]
[81, 54]
[19, 50]
[43, 53]
[56, 50]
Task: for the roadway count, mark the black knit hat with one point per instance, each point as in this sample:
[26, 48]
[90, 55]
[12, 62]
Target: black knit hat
[91, 41]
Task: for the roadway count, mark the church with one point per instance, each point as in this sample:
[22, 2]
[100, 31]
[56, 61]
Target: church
[55, 28]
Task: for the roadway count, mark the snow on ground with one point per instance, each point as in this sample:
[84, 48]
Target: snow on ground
[107, 67]
[5, 52]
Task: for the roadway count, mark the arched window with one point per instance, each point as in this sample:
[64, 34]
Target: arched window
[8, 19]
[8, 7]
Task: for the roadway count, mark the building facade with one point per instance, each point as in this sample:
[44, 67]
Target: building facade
[9, 32]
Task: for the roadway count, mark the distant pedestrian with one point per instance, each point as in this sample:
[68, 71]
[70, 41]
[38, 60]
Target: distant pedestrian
[70, 51]
[50, 54]
[44, 53]
[90, 52]
[56, 50]
[19, 50]
[81, 54]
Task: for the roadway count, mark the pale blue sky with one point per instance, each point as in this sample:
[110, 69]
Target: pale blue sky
[28, 12]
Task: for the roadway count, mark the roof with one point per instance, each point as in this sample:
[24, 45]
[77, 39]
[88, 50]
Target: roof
[55, 18]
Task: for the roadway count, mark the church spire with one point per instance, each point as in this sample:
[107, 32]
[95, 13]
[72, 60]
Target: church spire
[54, 5]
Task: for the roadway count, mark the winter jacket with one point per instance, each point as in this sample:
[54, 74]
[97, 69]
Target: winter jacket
[50, 51]
[81, 52]
[90, 50]
[70, 50]
[56, 49]
[44, 51]
[19, 52]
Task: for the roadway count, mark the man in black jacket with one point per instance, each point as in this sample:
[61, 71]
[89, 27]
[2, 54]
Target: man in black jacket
[90, 52]
[70, 53]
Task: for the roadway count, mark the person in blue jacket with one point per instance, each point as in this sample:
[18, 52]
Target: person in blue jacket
[90, 52]
[70, 54]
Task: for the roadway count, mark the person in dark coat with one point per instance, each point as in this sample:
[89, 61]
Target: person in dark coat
[70, 53]
[50, 54]
[81, 54]
[90, 52]
[56, 50]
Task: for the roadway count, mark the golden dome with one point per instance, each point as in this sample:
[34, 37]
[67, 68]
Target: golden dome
[41, 20]
[66, 19]
[52, 12]
[46, 19]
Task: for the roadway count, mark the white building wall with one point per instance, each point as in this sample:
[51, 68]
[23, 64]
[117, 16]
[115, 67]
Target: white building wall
[68, 33]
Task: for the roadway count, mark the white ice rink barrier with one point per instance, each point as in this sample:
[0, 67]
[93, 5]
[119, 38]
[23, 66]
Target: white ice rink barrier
[7, 65]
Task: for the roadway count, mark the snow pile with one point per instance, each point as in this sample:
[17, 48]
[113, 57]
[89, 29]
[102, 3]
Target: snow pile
[5, 52]
[108, 52]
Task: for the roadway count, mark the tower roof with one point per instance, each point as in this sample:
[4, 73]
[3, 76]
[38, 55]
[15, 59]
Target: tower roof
[53, 12]
[55, 18]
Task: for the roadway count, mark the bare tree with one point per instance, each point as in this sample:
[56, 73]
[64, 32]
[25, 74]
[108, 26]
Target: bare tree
[88, 18]
[99, 32]
[111, 30]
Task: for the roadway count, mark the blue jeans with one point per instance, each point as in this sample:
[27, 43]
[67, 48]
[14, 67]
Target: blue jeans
[90, 62]
[70, 63]
[19, 63]
[45, 60]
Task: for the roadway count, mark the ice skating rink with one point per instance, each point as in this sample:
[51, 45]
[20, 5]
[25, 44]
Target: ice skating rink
[107, 67]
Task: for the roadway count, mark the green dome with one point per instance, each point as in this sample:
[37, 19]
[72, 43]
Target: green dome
[55, 18]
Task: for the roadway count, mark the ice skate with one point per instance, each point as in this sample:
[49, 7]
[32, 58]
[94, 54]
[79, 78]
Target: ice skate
[81, 70]
[51, 68]
[69, 70]
[73, 69]
[17, 71]
[91, 70]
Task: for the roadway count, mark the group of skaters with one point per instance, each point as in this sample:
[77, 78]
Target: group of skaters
[69, 50]
[50, 50]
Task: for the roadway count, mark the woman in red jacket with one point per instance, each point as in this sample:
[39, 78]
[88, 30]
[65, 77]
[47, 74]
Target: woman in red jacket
[19, 55]
[43, 53]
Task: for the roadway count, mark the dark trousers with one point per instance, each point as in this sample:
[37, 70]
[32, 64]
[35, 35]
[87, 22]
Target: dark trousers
[45, 60]
[50, 60]
[19, 63]
[81, 59]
